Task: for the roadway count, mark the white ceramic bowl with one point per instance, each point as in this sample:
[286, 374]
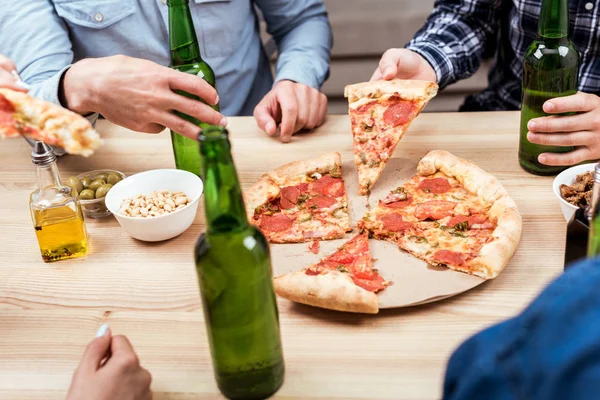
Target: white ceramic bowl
[567, 177]
[162, 227]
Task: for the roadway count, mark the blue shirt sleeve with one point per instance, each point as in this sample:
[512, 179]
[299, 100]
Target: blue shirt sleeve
[551, 351]
[304, 39]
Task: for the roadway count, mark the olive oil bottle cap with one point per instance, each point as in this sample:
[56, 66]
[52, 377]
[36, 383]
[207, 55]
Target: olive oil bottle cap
[42, 154]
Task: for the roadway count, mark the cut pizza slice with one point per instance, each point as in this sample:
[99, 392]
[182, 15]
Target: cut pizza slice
[380, 112]
[301, 201]
[23, 115]
[343, 281]
[453, 214]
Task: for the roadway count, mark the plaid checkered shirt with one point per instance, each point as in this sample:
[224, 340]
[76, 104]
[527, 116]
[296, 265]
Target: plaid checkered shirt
[460, 33]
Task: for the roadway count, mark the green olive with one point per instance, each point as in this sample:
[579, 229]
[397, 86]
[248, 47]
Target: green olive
[87, 194]
[86, 182]
[75, 183]
[114, 178]
[96, 184]
[103, 190]
[103, 176]
[74, 193]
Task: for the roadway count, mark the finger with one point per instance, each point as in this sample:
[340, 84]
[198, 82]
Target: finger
[123, 352]
[576, 156]
[7, 64]
[196, 109]
[179, 125]
[10, 83]
[580, 102]
[322, 111]
[565, 139]
[388, 65]
[289, 113]
[304, 96]
[194, 85]
[265, 116]
[377, 76]
[315, 118]
[96, 350]
[571, 123]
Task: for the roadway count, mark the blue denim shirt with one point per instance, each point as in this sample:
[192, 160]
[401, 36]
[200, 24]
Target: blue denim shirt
[44, 37]
[551, 351]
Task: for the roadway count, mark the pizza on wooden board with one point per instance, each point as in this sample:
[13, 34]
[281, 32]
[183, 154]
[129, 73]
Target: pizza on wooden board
[301, 201]
[23, 115]
[453, 214]
[380, 112]
[344, 280]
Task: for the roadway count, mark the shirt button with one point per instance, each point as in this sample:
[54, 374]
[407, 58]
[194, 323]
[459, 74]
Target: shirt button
[589, 6]
[98, 17]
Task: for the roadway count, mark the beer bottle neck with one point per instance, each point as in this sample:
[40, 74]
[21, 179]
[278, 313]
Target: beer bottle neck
[182, 35]
[554, 19]
[223, 200]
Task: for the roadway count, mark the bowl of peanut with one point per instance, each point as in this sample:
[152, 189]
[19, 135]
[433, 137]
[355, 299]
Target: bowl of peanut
[156, 205]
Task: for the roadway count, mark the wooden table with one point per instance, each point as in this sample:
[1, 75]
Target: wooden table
[49, 312]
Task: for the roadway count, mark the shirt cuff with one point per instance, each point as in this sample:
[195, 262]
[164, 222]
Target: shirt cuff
[48, 91]
[439, 61]
[299, 75]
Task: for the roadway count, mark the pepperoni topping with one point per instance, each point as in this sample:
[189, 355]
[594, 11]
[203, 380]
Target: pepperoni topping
[434, 209]
[395, 223]
[319, 202]
[364, 108]
[435, 185]
[5, 105]
[289, 196]
[275, 223]
[450, 257]
[7, 119]
[374, 285]
[312, 272]
[399, 204]
[314, 246]
[328, 186]
[399, 113]
[471, 220]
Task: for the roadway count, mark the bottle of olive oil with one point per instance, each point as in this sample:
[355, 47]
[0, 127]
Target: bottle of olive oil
[56, 213]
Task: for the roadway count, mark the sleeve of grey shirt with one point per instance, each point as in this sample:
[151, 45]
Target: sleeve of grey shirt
[304, 39]
[37, 40]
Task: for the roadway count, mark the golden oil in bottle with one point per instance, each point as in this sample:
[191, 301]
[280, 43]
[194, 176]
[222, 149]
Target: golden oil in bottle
[56, 214]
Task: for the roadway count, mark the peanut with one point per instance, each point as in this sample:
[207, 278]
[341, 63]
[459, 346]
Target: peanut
[154, 204]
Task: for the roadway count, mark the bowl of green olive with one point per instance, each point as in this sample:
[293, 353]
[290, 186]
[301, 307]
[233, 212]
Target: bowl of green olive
[92, 187]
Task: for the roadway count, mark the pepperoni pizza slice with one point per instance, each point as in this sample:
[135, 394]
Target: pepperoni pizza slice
[380, 113]
[453, 214]
[344, 280]
[23, 115]
[301, 201]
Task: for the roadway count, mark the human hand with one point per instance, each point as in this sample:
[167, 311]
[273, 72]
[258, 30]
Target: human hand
[403, 64]
[7, 79]
[581, 130]
[110, 370]
[294, 106]
[139, 95]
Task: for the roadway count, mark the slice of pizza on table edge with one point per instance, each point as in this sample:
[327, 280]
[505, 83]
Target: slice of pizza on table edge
[453, 214]
[301, 201]
[23, 115]
[344, 280]
[380, 112]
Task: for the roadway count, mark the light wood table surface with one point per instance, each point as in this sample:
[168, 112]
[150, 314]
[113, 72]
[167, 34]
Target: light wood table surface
[49, 312]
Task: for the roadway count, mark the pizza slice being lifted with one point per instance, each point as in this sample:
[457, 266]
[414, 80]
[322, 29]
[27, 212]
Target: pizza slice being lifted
[23, 115]
[301, 201]
[343, 281]
[380, 112]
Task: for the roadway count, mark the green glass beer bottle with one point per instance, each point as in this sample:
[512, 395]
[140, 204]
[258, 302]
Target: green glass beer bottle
[236, 285]
[185, 57]
[550, 70]
[593, 214]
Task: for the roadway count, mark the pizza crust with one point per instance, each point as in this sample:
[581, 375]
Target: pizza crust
[57, 126]
[410, 90]
[332, 290]
[493, 256]
[268, 186]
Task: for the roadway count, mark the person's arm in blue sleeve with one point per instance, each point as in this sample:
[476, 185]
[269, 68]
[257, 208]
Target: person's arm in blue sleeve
[549, 352]
[304, 39]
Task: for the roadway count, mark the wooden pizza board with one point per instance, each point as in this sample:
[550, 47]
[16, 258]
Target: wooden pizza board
[414, 282]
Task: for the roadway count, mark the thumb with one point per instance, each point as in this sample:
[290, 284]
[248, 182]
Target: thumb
[97, 349]
[263, 114]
